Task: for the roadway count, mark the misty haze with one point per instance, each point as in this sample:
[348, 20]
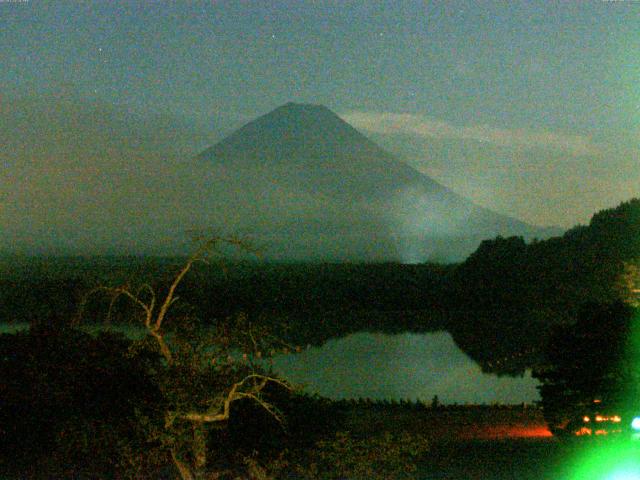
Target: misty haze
[300, 181]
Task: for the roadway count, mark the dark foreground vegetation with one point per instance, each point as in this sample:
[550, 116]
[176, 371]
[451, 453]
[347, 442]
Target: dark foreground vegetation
[594, 360]
[514, 294]
[81, 406]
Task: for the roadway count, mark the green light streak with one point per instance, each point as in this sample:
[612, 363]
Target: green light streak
[606, 460]
[619, 459]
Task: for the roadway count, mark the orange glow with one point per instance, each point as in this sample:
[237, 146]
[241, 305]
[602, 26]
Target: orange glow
[583, 431]
[509, 431]
[614, 419]
[585, 419]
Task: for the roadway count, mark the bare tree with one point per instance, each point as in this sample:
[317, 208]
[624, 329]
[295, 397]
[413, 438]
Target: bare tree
[211, 357]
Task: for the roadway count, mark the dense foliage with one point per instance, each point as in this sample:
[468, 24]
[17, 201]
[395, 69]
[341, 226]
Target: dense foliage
[379, 455]
[594, 359]
[564, 272]
[510, 293]
[72, 403]
[76, 405]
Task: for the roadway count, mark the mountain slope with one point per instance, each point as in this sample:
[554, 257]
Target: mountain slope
[354, 189]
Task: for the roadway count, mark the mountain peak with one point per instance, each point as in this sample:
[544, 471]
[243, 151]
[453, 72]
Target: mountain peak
[293, 130]
[302, 107]
[301, 116]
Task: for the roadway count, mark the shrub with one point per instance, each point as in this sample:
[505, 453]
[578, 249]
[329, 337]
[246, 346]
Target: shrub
[384, 456]
[72, 402]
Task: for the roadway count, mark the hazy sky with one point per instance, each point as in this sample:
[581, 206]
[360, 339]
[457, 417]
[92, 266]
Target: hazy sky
[530, 108]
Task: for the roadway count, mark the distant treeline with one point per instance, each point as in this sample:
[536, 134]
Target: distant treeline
[498, 304]
[407, 404]
[306, 303]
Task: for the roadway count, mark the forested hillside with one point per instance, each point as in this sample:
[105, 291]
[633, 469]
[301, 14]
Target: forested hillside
[508, 293]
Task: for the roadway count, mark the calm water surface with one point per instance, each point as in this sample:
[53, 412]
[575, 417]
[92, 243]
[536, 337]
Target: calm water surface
[405, 366]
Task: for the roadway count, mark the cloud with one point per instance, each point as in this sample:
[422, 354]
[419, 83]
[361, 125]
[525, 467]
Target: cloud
[422, 126]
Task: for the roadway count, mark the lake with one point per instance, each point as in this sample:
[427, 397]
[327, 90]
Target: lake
[404, 366]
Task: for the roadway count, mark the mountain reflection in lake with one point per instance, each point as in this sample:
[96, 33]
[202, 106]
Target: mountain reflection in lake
[406, 366]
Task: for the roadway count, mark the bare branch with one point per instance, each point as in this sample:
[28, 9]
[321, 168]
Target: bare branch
[235, 394]
[162, 344]
[250, 387]
[205, 417]
[147, 308]
[116, 292]
[198, 256]
[176, 281]
[151, 291]
[114, 298]
[267, 406]
[183, 468]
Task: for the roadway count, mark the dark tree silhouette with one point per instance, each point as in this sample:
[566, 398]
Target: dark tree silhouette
[596, 359]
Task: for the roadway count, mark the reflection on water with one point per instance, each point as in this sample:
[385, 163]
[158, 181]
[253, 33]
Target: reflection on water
[405, 366]
[381, 366]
